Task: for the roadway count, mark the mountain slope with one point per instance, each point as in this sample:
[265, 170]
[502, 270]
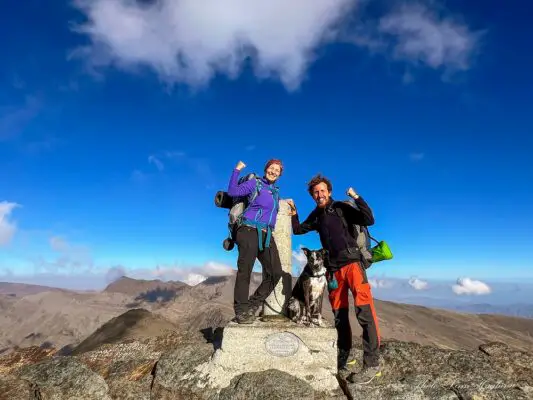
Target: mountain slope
[23, 289]
[133, 324]
[60, 318]
[56, 318]
[146, 290]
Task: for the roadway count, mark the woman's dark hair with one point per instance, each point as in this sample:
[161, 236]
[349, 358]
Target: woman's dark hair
[316, 180]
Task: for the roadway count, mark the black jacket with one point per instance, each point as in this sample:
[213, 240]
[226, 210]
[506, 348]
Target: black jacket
[334, 237]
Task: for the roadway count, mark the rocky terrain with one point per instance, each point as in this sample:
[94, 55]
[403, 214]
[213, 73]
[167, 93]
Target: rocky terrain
[128, 359]
[141, 340]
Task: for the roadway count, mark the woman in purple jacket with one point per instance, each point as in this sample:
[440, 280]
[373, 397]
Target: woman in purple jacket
[254, 238]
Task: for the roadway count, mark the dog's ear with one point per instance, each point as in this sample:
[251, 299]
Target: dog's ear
[306, 251]
[324, 252]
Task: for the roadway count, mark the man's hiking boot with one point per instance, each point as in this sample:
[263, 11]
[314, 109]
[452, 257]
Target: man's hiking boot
[345, 359]
[367, 375]
[345, 363]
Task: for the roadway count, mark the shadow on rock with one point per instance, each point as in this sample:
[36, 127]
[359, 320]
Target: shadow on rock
[158, 295]
[213, 336]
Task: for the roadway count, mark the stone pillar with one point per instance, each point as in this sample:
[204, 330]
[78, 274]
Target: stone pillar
[276, 303]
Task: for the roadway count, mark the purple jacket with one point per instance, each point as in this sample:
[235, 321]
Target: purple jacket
[262, 209]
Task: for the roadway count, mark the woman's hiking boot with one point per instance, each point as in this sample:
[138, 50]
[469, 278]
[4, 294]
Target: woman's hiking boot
[253, 309]
[244, 318]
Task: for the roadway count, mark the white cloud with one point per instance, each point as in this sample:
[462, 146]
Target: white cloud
[299, 260]
[194, 279]
[114, 273]
[471, 286]
[380, 283]
[157, 162]
[71, 258]
[58, 244]
[418, 284]
[191, 41]
[7, 228]
[422, 35]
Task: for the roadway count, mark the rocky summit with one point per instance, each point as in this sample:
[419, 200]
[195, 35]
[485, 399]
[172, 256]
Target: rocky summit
[142, 367]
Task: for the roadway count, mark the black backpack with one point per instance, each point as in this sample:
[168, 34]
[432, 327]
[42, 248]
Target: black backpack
[359, 232]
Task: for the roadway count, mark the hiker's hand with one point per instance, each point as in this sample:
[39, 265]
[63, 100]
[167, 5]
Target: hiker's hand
[292, 206]
[240, 165]
[350, 192]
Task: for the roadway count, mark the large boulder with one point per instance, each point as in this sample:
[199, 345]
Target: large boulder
[267, 385]
[413, 371]
[64, 378]
[174, 377]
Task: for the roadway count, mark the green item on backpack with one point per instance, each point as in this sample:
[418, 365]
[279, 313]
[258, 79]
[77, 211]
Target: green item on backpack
[381, 252]
[369, 254]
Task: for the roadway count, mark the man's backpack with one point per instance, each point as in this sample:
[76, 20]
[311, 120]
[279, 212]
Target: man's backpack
[237, 206]
[361, 234]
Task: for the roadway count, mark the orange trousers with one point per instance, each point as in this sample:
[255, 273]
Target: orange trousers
[352, 277]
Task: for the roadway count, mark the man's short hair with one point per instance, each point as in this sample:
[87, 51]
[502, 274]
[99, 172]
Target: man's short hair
[316, 180]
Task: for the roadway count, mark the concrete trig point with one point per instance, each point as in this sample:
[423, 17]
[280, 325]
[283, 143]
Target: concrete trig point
[275, 306]
[275, 342]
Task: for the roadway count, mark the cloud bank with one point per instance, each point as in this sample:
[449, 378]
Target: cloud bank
[71, 258]
[470, 286]
[191, 275]
[7, 227]
[192, 41]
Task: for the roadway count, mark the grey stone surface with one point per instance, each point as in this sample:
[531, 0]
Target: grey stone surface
[309, 354]
[267, 385]
[13, 388]
[64, 378]
[276, 302]
[175, 377]
[412, 371]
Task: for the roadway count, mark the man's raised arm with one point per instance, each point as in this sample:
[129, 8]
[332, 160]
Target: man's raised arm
[362, 215]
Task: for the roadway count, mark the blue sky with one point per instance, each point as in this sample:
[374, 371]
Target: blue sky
[119, 123]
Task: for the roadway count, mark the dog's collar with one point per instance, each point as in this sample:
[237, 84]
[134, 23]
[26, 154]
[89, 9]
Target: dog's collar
[317, 276]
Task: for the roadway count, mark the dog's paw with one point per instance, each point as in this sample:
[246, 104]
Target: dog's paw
[319, 321]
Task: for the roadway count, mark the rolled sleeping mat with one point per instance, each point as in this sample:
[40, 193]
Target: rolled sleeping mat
[223, 200]
[228, 244]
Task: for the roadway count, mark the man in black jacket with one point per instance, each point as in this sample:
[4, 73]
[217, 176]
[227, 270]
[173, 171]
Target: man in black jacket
[345, 270]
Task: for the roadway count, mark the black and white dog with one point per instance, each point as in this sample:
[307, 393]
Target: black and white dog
[305, 304]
